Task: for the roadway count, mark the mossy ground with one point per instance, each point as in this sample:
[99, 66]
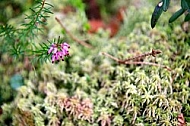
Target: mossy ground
[120, 94]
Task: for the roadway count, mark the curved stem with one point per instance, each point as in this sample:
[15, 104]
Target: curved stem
[72, 37]
[134, 62]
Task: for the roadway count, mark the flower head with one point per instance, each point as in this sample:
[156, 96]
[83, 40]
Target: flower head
[59, 51]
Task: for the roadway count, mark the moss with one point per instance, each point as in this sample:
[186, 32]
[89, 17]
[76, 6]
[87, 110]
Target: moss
[56, 94]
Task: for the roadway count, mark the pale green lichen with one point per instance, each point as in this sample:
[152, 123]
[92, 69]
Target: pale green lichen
[91, 89]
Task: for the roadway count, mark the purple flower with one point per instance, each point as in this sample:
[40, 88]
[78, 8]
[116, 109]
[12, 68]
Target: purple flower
[66, 44]
[65, 48]
[60, 55]
[53, 49]
[54, 58]
[59, 51]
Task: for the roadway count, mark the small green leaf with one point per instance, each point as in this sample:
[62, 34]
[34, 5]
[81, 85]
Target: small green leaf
[176, 15]
[184, 5]
[187, 17]
[188, 3]
[166, 4]
[156, 14]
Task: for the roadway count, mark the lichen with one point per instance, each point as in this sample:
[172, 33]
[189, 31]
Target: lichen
[91, 89]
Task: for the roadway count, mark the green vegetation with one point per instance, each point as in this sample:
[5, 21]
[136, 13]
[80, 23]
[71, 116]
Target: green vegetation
[89, 88]
[163, 5]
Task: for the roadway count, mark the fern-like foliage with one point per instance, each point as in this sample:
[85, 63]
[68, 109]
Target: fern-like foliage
[19, 41]
[7, 32]
[37, 19]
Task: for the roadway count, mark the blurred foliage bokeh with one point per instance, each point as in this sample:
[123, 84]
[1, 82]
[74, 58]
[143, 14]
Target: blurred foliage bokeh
[88, 88]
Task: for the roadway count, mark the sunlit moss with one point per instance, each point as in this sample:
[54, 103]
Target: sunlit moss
[57, 94]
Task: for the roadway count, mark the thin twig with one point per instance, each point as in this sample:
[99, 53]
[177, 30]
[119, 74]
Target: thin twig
[110, 56]
[72, 37]
[152, 53]
[134, 62]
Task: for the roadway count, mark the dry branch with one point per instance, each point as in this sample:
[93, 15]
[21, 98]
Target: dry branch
[134, 62]
[72, 36]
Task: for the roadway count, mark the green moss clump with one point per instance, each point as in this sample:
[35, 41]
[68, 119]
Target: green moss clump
[89, 89]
